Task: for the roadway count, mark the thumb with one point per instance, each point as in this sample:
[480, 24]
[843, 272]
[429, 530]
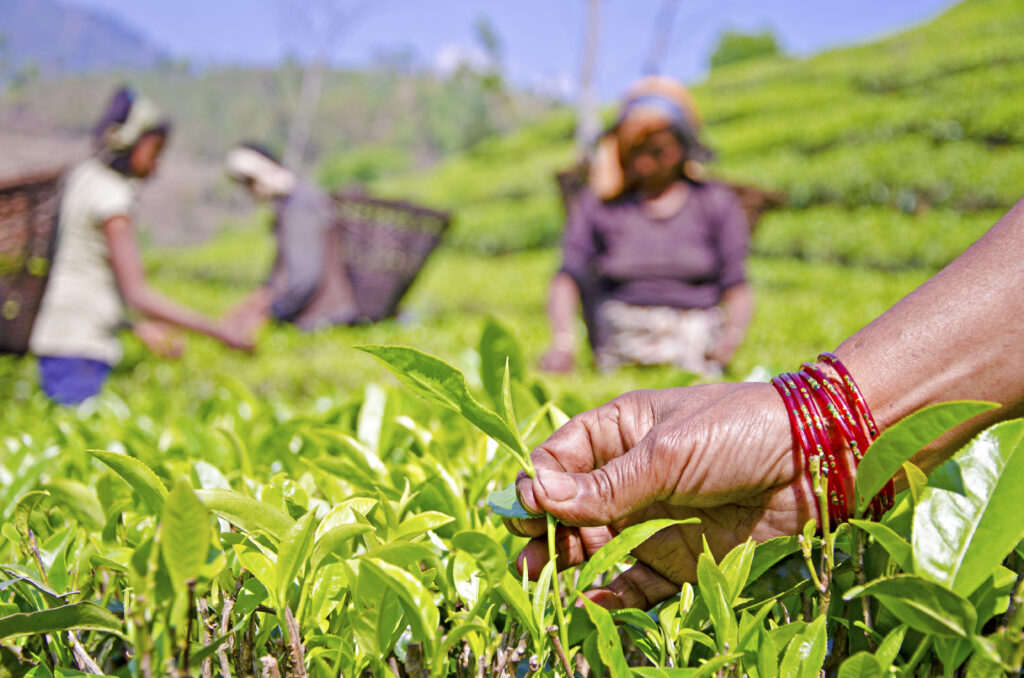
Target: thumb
[609, 493]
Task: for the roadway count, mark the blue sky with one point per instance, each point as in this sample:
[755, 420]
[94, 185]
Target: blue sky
[542, 38]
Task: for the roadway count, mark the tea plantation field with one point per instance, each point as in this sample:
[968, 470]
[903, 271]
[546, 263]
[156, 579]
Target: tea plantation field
[301, 512]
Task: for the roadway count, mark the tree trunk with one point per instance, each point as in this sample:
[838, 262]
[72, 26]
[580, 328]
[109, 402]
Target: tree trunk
[663, 23]
[587, 126]
[305, 113]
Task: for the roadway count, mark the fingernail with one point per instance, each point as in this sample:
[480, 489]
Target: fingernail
[558, 486]
[524, 491]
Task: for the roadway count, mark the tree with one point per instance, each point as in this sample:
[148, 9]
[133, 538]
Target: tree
[734, 46]
[588, 123]
[661, 36]
[317, 25]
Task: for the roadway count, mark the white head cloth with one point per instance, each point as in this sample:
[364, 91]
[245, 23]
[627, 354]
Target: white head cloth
[269, 180]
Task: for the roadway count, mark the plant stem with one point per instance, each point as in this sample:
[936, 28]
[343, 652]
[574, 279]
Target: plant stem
[560, 649]
[919, 653]
[563, 631]
[861, 578]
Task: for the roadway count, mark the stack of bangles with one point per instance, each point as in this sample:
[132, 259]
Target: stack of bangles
[828, 414]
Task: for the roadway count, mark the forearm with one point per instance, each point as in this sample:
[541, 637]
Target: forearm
[154, 305]
[738, 307]
[956, 337]
[563, 303]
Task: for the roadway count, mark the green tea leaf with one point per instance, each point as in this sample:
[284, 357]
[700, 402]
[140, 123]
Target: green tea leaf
[332, 541]
[890, 646]
[736, 567]
[916, 480]
[923, 605]
[247, 513]
[420, 523]
[138, 475]
[969, 517]
[767, 654]
[518, 602]
[770, 552]
[612, 553]
[293, 553]
[438, 382]
[505, 502]
[608, 645]
[78, 616]
[540, 593]
[897, 547]
[714, 589]
[80, 499]
[860, 665]
[185, 534]
[488, 554]
[658, 672]
[498, 348]
[712, 666]
[993, 596]
[806, 652]
[416, 599]
[902, 440]
[23, 509]
[262, 569]
[637, 618]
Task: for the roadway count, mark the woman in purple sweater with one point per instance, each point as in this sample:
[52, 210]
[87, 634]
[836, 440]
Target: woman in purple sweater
[655, 255]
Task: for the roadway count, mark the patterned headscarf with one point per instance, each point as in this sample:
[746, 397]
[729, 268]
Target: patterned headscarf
[127, 118]
[653, 103]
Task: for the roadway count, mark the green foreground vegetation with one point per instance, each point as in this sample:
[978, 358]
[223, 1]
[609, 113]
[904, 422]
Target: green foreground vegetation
[246, 503]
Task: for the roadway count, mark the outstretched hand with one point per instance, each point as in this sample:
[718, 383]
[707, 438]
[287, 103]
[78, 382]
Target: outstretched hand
[160, 338]
[719, 452]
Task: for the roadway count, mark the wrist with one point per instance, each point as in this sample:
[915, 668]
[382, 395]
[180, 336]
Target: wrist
[832, 427]
[563, 340]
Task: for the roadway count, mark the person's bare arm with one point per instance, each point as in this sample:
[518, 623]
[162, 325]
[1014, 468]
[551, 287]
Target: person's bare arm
[563, 305]
[724, 452]
[738, 306]
[126, 261]
[958, 336]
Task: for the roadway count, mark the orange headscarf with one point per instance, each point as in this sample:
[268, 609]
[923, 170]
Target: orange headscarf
[652, 104]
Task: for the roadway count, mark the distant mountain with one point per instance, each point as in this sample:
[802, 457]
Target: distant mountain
[57, 37]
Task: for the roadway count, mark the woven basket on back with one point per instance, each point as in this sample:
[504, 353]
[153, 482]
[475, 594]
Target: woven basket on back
[28, 235]
[756, 201]
[386, 245]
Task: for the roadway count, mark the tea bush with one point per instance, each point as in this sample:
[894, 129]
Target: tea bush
[355, 537]
[297, 512]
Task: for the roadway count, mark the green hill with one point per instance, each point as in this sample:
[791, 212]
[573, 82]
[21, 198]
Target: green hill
[408, 117]
[896, 153]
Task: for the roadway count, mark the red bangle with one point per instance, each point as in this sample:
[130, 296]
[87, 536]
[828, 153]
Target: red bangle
[837, 505]
[800, 440]
[813, 399]
[884, 501]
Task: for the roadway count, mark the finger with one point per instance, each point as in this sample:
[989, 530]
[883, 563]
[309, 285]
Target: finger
[573, 546]
[612, 492]
[526, 527]
[640, 586]
[590, 440]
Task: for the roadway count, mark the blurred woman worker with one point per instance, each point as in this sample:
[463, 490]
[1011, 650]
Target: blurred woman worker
[656, 255]
[97, 268]
[309, 284]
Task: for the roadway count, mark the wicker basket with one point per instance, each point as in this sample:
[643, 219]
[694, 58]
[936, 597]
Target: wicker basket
[386, 245]
[756, 201]
[28, 236]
